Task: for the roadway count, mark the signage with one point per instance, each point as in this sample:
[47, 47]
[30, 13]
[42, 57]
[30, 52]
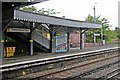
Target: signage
[61, 43]
[18, 30]
[97, 34]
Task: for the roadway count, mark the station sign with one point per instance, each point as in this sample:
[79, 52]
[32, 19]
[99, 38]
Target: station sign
[18, 30]
[97, 34]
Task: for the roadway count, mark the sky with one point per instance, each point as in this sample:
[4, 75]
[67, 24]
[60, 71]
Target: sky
[79, 9]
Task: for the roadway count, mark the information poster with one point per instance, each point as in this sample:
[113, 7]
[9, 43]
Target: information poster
[61, 43]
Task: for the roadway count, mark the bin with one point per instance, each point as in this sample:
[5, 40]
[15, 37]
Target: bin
[9, 51]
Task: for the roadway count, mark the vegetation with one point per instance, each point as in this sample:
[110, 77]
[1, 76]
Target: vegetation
[109, 35]
[40, 11]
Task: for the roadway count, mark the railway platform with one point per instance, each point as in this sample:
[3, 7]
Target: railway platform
[51, 55]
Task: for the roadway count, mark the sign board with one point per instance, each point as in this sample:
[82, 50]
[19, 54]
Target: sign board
[61, 43]
[18, 30]
[97, 34]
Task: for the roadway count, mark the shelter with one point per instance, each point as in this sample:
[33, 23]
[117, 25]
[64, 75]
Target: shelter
[24, 27]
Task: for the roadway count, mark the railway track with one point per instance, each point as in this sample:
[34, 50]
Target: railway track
[114, 74]
[67, 72]
[110, 69]
[80, 64]
[116, 77]
[80, 71]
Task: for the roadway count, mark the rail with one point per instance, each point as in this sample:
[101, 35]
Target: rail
[111, 74]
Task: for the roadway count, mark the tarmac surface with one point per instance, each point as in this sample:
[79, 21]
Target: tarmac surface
[50, 55]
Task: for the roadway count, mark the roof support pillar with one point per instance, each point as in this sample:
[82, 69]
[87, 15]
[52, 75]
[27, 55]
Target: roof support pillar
[68, 41]
[94, 38]
[51, 42]
[1, 34]
[52, 39]
[31, 38]
[101, 36]
[68, 37]
[81, 39]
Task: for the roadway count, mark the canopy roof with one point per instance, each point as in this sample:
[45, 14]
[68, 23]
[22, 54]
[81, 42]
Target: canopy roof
[40, 18]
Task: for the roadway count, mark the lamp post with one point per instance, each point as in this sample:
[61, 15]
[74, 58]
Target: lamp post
[94, 12]
[94, 22]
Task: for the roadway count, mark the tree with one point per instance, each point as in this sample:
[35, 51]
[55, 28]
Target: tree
[48, 11]
[40, 11]
[29, 9]
[109, 35]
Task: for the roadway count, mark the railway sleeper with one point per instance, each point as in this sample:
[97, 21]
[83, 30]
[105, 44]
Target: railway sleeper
[39, 76]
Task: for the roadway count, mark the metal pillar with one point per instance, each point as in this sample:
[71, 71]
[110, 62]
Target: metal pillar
[67, 30]
[81, 38]
[51, 36]
[31, 38]
[94, 13]
[1, 38]
[52, 41]
[101, 36]
[1, 34]
[68, 41]
[94, 38]
[83, 42]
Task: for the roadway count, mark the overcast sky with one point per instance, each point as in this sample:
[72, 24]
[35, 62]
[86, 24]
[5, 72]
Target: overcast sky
[79, 9]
